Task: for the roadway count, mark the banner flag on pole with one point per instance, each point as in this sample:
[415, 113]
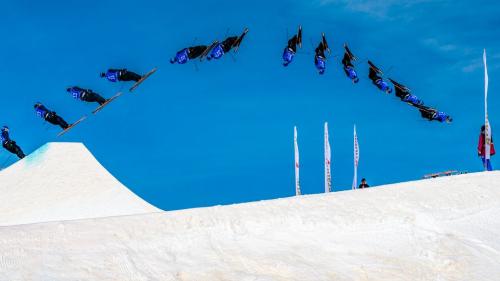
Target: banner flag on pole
[328, 155]
[297, 165]
[487, 127]
[356, 160]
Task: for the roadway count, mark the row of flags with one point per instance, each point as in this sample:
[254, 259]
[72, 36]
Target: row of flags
[328, 161]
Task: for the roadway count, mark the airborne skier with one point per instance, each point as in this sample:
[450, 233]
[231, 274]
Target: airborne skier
[227, 45]
[86, 95]
[115, 75]
[9, 144]
[433, 114]
[50, 116]
[375, 75]
[291, 48]
[189, 53]
[405, 95]
[481, 151]
[319, 55]
[348, 66]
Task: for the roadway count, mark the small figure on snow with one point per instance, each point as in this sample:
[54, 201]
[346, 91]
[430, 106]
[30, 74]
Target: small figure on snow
[50, 116]
[433, 114]
[86, 95]
[291, 49]
[225, 46]
[348, 66]
[9, 144]
[481, 151]
[115, 75]
[363, 184]
[375, 76]
[186, 54]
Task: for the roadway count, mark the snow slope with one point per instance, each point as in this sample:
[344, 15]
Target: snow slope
[63, 181]
[438, 229]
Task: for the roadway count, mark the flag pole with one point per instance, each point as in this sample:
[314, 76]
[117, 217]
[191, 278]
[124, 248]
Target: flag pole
[297, 165]
[356, 160]
[328, 155]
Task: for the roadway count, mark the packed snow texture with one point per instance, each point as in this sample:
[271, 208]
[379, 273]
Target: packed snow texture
[63, 181]
[438, 229]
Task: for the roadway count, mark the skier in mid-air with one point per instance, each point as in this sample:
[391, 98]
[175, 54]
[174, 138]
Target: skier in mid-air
[9, 144]
[50, 116]
[115, 75]
[348, 66]
[86, 95]
[291, 48]
[405, 95]
[481, 151]
[432, 114]
[189, 53]
[319, 55]
[374, 75]
[232, 42]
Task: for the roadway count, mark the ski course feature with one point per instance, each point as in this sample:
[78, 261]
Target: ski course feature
[63, 181]
[444, 229]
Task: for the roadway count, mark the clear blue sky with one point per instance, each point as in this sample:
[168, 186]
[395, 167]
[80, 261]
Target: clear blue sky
[224, 134]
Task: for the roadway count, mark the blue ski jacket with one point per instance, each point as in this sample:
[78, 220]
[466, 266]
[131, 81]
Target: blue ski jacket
[4, 136]
[441, 116]
[113, 75]
[320, 63]
[382, 85]
[41, 111]
[182, 56]
[287, 56]
[217, 52]
[77, 92]
[412, 99]
[351, 72]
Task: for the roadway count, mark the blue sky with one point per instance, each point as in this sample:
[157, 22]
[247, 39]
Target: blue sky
[223, 132]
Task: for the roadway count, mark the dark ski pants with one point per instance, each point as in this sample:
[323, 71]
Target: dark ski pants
[373, 75]
[55, 119]
[346, 61]
[130, 76]
[228, 44]
[196, 51]
[93, 97]
[292, 43]
[320, 50]
[12, 147]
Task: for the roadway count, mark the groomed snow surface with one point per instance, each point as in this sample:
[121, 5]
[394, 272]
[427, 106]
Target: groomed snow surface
[55, 228]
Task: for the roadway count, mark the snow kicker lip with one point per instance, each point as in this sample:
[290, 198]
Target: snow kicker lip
[63, 181]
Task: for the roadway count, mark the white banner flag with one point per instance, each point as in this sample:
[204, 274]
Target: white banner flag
[487, 131]
[328, 155]
[356, 160]
[297, 165]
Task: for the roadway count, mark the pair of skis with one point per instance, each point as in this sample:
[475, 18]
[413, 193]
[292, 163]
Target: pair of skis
[235, 46]
[100, 107]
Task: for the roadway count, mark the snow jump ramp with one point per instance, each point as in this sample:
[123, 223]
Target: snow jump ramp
[443, 229]
[63, 181]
